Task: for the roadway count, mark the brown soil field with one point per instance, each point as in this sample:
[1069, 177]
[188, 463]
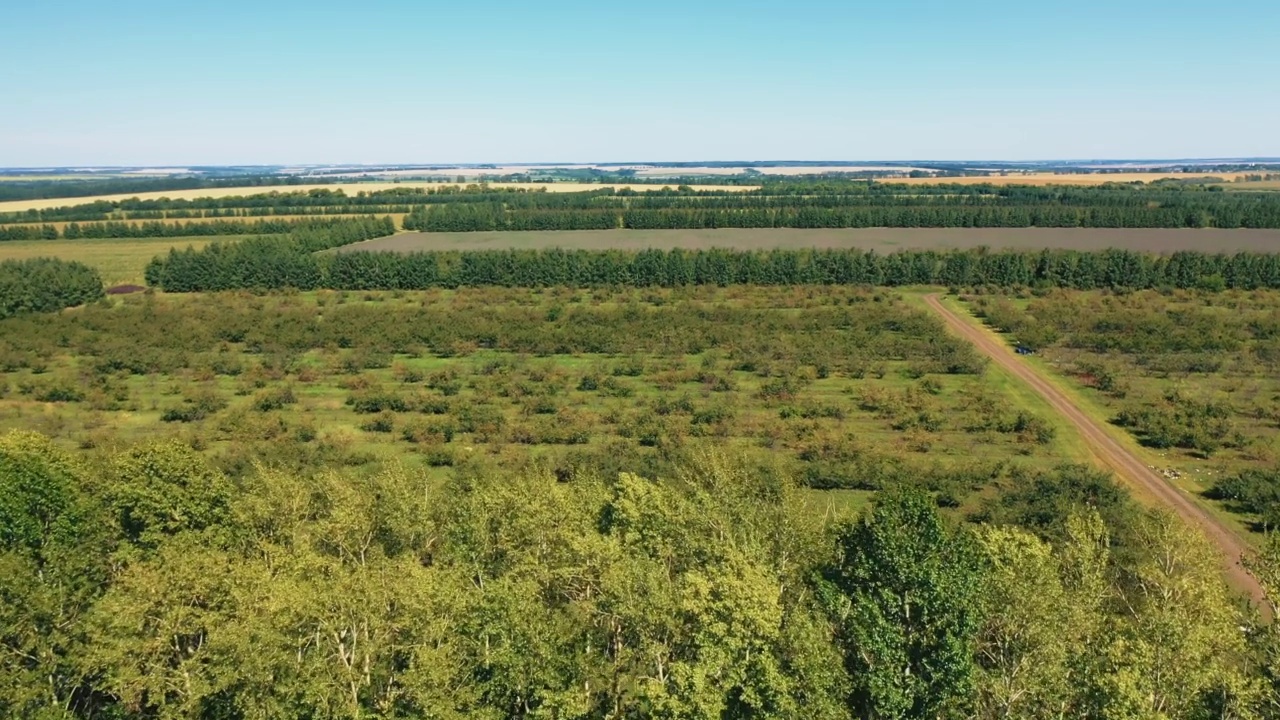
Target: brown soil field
[880, 239]
[348, 188]
[1064, 179]
[1113, 455]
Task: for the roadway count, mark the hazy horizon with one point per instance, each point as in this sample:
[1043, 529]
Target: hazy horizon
[141, 83]
[1108, 163]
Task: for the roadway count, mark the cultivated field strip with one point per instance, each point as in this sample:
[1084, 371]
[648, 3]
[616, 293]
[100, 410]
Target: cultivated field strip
[879, 239]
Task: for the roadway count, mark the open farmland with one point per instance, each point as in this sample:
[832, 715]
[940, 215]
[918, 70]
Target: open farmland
[879, 239]
[118, 261]
[348, 188]
[1043, 178]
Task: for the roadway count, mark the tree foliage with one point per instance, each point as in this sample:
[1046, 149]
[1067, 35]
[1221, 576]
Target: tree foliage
[152, 586]
[287, 263]
[45, 285]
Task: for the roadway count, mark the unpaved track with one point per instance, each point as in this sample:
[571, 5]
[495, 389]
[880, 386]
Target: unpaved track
[1123, 462]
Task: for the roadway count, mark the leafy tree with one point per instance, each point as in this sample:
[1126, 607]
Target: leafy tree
[905, 595]
[1043, 608]
[53, 564]
[163, 489]
[1174, 649]
[45, 285]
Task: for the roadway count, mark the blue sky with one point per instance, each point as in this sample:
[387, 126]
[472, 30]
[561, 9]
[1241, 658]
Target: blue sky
[381, 81]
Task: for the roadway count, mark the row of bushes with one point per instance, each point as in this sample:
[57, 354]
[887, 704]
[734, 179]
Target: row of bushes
[278, 263]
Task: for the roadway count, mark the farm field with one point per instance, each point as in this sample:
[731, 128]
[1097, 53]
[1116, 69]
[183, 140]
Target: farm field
[118, 261]
[1194, 379]
[1068, 178]
[850, 390]
[349, 188]
[880, 239]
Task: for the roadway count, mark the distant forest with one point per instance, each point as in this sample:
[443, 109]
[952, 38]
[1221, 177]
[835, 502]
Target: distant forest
[791, 204]
[57, 188]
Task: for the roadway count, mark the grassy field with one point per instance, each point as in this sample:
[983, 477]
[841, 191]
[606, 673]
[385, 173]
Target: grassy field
[118, 261]
[880, 239]
[843, 387]
[350, 188]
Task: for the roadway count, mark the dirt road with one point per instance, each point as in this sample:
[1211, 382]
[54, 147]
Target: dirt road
[1124, 463]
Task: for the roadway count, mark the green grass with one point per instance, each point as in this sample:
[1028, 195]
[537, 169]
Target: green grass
[119, 261]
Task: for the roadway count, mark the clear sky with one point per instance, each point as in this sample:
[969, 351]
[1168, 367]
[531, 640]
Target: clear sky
[136, 82]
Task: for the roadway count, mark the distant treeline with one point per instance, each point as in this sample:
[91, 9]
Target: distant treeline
[157, 229]
[322, 200]
[277, 263]
[50, 189]
[834, 204]
[854, 205]
[45, 285]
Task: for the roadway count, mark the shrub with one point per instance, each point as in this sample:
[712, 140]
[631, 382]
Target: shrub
[197, 406]
[274, 399]
[384, 422]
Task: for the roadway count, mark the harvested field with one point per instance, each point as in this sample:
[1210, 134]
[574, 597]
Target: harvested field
[880, 239]
[349, 188]
[1067, 178]
[118, 261]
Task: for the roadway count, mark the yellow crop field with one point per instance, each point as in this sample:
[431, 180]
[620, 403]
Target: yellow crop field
[348, 188]
[1064, 179]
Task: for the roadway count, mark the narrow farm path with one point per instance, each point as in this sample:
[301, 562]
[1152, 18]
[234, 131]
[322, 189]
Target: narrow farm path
[1119, 459]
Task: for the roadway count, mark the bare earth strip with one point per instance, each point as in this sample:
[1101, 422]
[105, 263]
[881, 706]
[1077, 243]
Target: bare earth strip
[1114, 455]
[879, 239]
[348, 188]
